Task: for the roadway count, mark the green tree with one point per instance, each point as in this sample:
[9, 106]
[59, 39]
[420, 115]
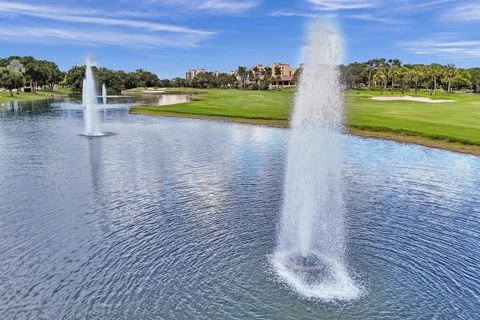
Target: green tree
[74, 78]
[435, 71]
[11, 79]
[462, 80]
[381, 77]
[371, 67]
[449, 74]
[393, 71]
[242, 73]
[418, 75]
[355, 74]
[16, 66]
[297, 75]
[475, 78]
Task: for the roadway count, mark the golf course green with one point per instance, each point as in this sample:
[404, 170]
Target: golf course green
[453, 125]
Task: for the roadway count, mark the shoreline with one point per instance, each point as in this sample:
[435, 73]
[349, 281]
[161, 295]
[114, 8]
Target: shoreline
[367, 134]
[24, 97]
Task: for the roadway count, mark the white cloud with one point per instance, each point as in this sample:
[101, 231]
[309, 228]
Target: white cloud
[95, 37]
[281, 13]
[449, 46]
[343, 4]
[227, 6]
[374, 18]
[468, 12]
[96, 29]
[150, 26]
[206, 6]
[360, 16]
[85, 16]
[392, 6]
[18, 8]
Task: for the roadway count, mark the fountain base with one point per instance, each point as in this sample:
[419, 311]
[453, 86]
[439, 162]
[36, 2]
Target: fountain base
[306, 264]
[97, 135]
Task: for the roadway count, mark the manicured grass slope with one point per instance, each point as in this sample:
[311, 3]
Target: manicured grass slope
[457, 121]
[26, 96]
[261, 105]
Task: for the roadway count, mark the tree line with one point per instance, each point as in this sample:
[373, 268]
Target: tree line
[392, 75]
[115, 80]
[30, 74]
[377, 74]
[16, 71]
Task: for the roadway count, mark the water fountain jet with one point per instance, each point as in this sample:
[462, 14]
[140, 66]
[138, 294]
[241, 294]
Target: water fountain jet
[104, 94]
[309, 253]
[91, 112]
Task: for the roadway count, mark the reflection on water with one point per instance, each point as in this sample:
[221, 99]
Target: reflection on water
[25, 107]
[176, 219]
[168, 99]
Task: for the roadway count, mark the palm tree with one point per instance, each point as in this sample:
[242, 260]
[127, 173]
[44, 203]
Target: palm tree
[435, 71]
[405, 77]
[372, 66]
[243, 72]
[266, 76]
[417, 76]
[393, 72]
[381, 76]
[449, 74]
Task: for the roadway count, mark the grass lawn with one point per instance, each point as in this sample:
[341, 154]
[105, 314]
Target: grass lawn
[268, 107]
[25, 96]
[453, 125]
[457, 121]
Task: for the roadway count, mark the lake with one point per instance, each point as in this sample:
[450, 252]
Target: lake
[177, 219]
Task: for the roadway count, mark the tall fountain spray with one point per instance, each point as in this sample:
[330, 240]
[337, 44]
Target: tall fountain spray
[89, 95]
[309, 255]
[104, 94]
[84, 91]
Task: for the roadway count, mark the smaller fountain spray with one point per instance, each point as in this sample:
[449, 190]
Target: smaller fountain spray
[104, 93]
[89, 96]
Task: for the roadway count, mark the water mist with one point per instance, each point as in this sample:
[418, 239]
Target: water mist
[89, 96]
[309, 255]
[104, 93]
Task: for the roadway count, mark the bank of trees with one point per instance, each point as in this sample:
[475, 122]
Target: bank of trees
[376, 74]
[16, 72]
[115, 80]
[30, 74]
[392, 75]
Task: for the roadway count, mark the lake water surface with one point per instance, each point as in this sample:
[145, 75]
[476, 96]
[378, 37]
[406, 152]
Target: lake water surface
[176, 219]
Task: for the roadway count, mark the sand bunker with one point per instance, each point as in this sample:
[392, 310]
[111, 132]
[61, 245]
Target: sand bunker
[408, 98]
[153, 91]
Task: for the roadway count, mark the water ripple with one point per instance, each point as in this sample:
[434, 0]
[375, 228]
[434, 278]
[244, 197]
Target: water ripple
[176, 219]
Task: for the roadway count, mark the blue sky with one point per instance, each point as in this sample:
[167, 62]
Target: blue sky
[171, 36]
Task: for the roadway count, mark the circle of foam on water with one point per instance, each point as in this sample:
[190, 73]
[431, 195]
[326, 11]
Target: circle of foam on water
[339, 286]
[95, 135]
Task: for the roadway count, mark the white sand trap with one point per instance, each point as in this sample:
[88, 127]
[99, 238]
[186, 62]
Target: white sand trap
[153, 91]
[408, 98]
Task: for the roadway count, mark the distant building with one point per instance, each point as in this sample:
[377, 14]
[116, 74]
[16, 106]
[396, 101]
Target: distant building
[258, 70]
[192, 73]
[281, 73]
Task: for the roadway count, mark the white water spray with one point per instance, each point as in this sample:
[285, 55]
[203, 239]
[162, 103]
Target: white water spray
[310, 248]
[89, 96]
[104, 94]
[84, 92]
